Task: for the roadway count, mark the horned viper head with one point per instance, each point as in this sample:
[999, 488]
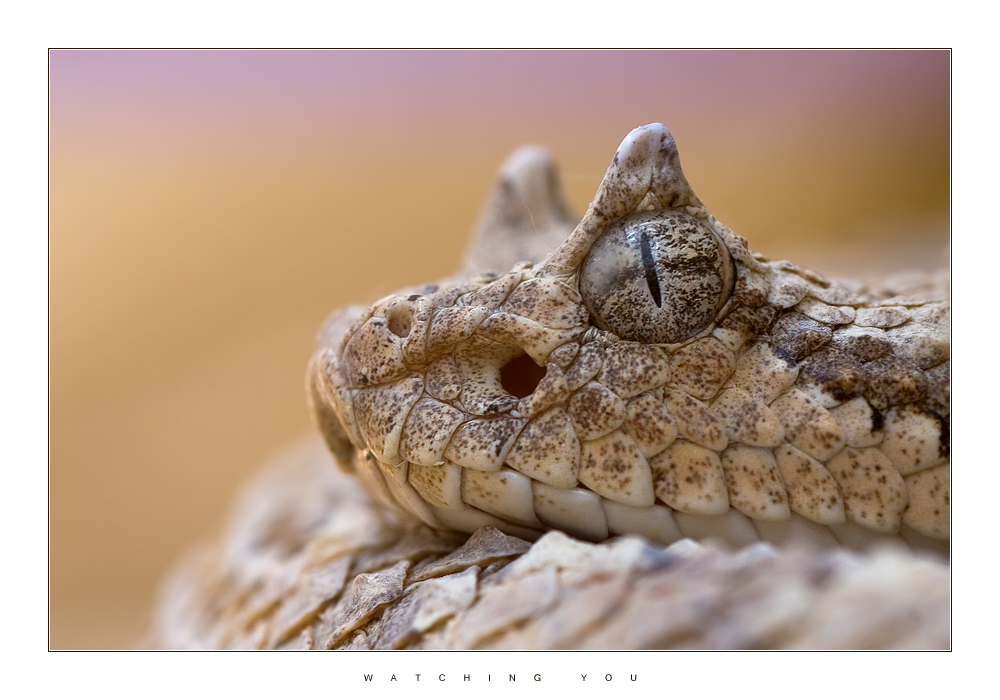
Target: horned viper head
[648, 375]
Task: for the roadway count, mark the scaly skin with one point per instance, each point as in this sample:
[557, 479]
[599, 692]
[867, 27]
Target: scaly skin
[805, 412]
[797, 409]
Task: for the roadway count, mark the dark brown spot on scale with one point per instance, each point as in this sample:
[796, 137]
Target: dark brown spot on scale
[834, 372]
[944, 442]
[784, 355]
[799, 335]
[878, 420]
[892, 381]
[748, 320]
[863, 344]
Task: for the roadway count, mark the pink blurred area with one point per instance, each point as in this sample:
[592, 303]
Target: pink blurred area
[210, 208]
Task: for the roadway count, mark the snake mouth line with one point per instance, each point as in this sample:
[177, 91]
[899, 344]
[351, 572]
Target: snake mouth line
[670, 365]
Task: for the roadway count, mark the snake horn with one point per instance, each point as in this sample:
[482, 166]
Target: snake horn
[644, 174]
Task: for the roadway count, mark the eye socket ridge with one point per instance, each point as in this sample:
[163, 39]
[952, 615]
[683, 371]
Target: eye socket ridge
[657, 277]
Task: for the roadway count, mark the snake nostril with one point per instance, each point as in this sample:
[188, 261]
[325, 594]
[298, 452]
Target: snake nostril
[398, 320]
[520, 376]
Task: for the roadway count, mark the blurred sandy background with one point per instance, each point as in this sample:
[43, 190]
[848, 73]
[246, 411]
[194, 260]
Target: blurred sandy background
[209, 209]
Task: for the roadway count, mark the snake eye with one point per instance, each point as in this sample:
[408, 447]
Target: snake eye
[657, 277]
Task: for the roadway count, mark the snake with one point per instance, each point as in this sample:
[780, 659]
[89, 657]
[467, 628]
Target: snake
[626, 431]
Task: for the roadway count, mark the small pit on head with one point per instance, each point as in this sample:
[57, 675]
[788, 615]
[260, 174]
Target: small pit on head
[398, 319]
[520, 376]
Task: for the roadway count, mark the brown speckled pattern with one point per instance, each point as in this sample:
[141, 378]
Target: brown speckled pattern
[804, 395]
[807, 414]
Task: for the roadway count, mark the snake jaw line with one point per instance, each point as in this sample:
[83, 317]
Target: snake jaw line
[716, 381]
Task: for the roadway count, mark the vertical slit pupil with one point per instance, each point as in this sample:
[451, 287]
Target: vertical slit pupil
[649, 267]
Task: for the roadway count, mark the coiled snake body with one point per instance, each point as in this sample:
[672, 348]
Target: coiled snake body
[643, 377]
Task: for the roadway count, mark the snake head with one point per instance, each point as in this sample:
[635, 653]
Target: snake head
[642, 374]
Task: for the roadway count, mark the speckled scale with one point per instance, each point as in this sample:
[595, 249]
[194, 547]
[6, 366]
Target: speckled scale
[764, 372]
[882, 316]
[564, 355]
[443, 379]
[695, 421]
[751, 288]
[439, 484]
[613, 467]
[939, 389]
[748, 419]
[595, 411]
[928, 510]
[415, 330]
[743, 324]
[925, 347]
[689, 478]
[701, 367]
[862, 424]
[799, 335]
[373, 355]
[585, 367]
[874, 492]
[834, 293]
[548, 302]
[862, 344]
[483, 443]
[825, 313]
[808, 426]
[826, 399]
[754, 483]
[427, 431]
[649, 424]
[548, 450]
[630, 368]
[382, 411]
[786, 289]
[525, 334]
[913, 439]
[812, 491]
[891, 381]
[935, 316]
[452, 325]
[831, 377]
[493, 294]
[479, 361]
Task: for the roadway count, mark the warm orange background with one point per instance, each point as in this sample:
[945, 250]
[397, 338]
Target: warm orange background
[208, 209]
